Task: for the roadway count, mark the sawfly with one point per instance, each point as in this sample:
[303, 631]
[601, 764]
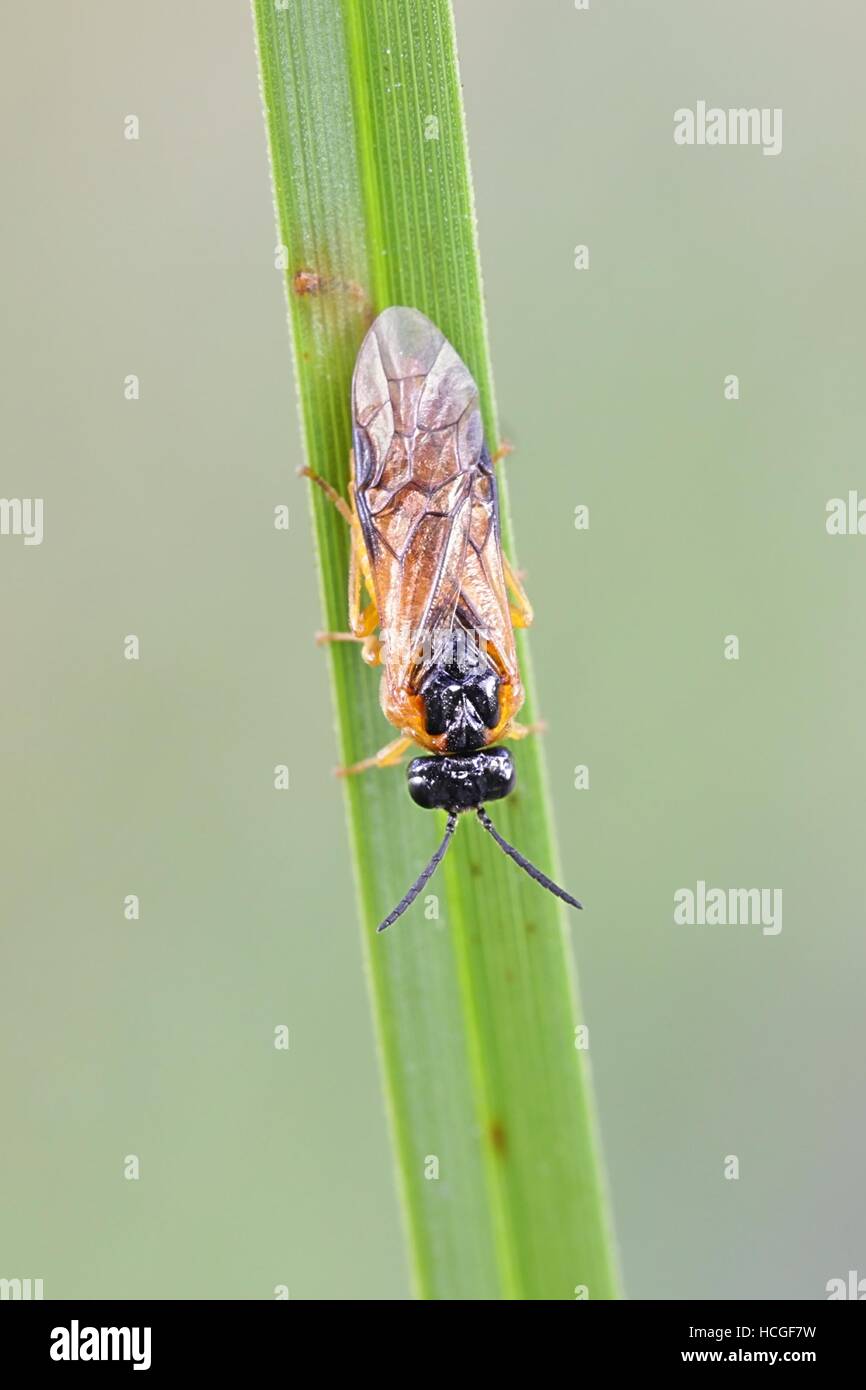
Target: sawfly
[433, 600]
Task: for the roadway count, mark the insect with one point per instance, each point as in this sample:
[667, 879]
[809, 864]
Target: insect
[433, 600]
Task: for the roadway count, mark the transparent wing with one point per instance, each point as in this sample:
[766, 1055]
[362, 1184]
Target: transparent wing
[425, 493]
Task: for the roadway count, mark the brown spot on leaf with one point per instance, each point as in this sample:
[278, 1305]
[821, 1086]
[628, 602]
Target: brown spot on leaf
[307, 282]
[498, 1137]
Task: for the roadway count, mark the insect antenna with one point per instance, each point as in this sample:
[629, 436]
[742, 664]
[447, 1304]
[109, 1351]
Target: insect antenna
[423, 876]
[518, 858]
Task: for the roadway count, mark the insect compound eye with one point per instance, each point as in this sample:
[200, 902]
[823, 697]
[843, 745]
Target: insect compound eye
[460, 784]
[430, 783]
[497, 775]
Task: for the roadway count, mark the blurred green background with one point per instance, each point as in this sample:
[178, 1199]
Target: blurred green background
[262, 1167]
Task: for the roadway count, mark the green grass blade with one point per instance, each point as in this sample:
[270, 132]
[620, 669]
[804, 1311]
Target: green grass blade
[476, 1011]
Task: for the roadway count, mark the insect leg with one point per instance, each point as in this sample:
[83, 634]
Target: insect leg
[521, 609]
[386, 757]
[371, 647]
[330, 492]
[518, 731]
[362, 621]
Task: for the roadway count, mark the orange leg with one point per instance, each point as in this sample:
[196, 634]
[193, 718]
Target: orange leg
[518, 731]
[521, 609]
[363, 621]
[371, 647]
[330, 492]
[388, 756]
